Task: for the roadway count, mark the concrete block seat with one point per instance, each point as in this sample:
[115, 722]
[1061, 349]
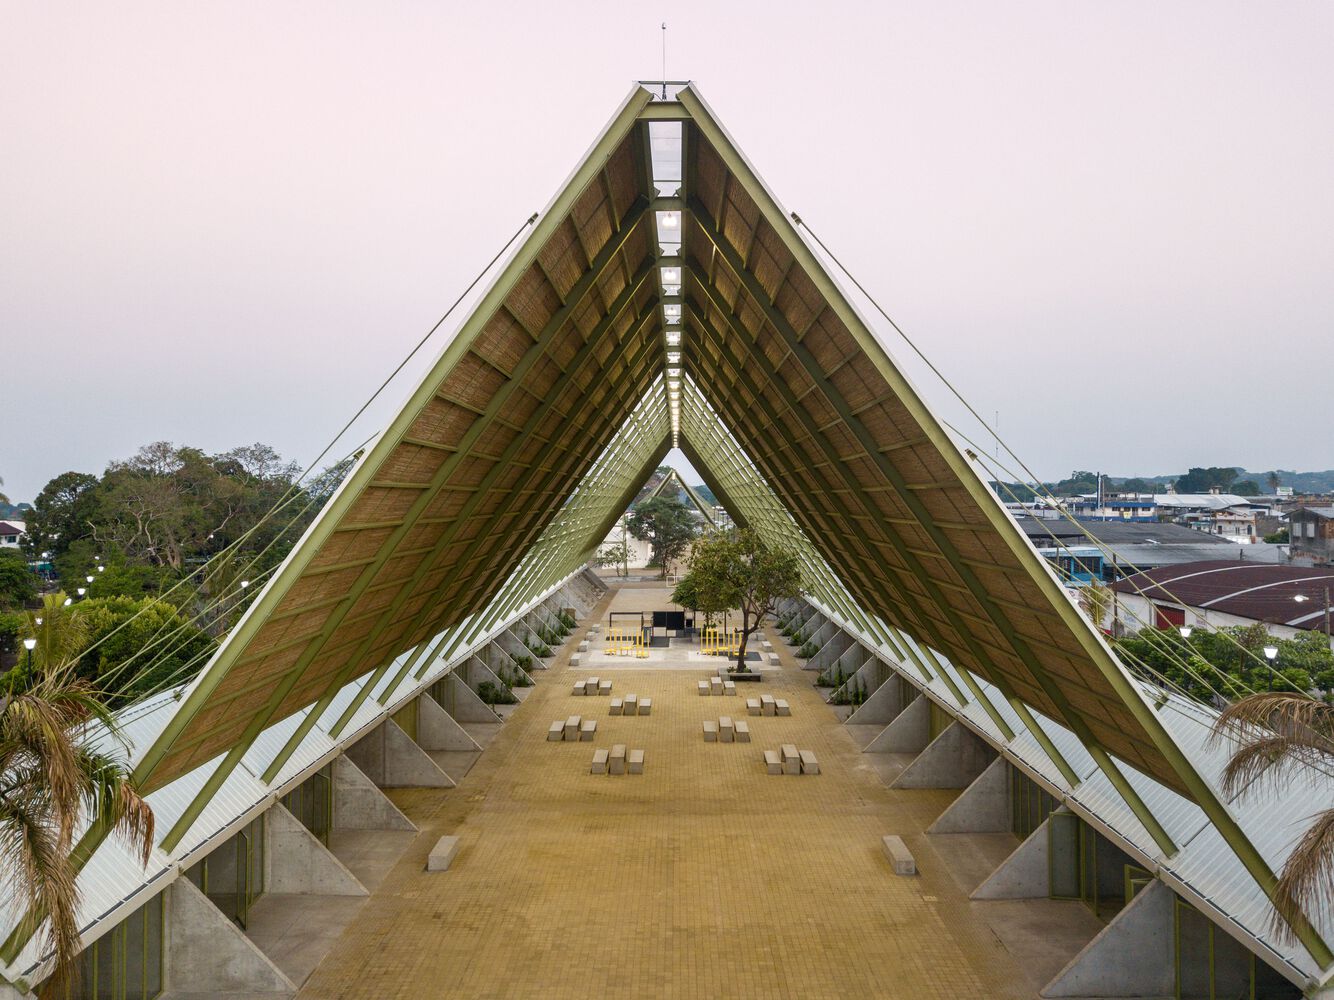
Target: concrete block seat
[900, 858]
[809, 765]
[442, 854]
[604, 689]
[576, 659]
[588, 729]
[630, 706]
[781, 707]
[752, 706]
[645, 706]
[572, 728]
[725, 730]
[791, 759]
[615, 707]
[729, 687]
[557, 732]
[772, 763]
[742, 731]
[591, 686]
[715, 685]
[703, 687]
[578, 689]
[710, 731]
[617, 759]
[636, 762]
[599, 761]
[767, 706]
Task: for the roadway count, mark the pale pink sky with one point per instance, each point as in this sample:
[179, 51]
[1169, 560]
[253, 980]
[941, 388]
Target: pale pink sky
[1112, 223]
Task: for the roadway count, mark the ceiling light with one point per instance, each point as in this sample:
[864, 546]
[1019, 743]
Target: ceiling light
[673, 357]
[671, 220]
[673, 337]
[671, 275]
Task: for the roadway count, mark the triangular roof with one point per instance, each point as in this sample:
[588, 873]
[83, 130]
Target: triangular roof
[552, 403]
[679, 485]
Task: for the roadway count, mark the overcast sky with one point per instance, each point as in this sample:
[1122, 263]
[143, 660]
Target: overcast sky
[226, 223]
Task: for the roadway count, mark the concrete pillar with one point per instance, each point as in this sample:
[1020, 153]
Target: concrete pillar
[880, 708]
[296, 862]
[1024, 874]
[984, 806]
[462, 702]
[437, 730]
[953, 759]
[908, 732]
[1131, 957]
[360, 805]
[206, 951]
[389, 758]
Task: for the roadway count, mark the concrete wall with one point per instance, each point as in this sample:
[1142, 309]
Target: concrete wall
[206, 953]
[954, 759]
[1133, 956]
[296, 862]
[390, 758]
[360, 805]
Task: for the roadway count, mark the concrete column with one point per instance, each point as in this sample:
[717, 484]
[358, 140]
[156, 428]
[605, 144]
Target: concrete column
[437, 730]
[389, 758]
[206, 951]
[360, 805]
[880, 708]
[984, 806]
[908, 732]
[462, 702]
[1131, 957]
[296, 862]
[1024, 874]
[953, 759]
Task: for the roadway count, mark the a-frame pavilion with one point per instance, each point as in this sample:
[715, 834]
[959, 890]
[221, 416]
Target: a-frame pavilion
[665, 299]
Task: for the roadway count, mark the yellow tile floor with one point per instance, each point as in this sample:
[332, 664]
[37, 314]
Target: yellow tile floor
[702, 877]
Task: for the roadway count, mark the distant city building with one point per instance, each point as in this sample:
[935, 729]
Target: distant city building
[1311, 534]
[1288, 600]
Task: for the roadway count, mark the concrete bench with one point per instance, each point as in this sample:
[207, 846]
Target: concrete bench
[442, 854]
[772, 765]
[617, 760]
[742, 731]
[715, 685]
[636, 761]
[703, 687]
[599, 761]
[582, 647]
[588, 729]
[809, 765]
[572, 728]
[766, 645]
[900, 858]
[631, 704]
[781, 707]
[752, 706]
[575, 659]
[591, 686]
[767, 704]
[773, 657]
[578, 690]
[729, 687]
[557, 732]
[710, 731]
[645, 706]
[615, 707]
[725, 730]
[791, 759]
[604, 689]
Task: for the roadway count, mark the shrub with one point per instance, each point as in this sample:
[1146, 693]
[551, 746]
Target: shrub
[493, 695]
[807, 651]
[524, 661]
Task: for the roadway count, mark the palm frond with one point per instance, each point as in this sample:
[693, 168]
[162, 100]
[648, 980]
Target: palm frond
[1270, 729]
[1308, 877]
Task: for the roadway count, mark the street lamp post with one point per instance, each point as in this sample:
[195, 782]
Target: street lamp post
[29, 645]
[1271, 654]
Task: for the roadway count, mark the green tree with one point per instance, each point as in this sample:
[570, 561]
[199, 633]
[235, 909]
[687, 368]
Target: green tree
[616, 554]
[1273, 481]
[55, 776]
[735, 569]
[665, 523]
[63, 513]
[138, 647]
[1096, 599]
[17, 584]
[1200, 479]
[60, 630]
[1246, 488]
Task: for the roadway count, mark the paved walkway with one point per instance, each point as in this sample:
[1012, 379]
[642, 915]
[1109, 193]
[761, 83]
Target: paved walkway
[703, 877]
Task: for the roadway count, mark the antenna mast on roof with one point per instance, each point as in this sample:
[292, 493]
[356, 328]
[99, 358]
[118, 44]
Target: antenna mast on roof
[664, 60]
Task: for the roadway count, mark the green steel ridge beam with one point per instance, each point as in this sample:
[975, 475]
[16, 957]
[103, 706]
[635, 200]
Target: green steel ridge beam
[1099, 652]
[834, 399]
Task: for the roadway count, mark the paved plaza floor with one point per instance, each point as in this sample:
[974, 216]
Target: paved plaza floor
[702, 877]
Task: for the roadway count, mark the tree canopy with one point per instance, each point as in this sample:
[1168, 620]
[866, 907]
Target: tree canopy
[667, 525]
